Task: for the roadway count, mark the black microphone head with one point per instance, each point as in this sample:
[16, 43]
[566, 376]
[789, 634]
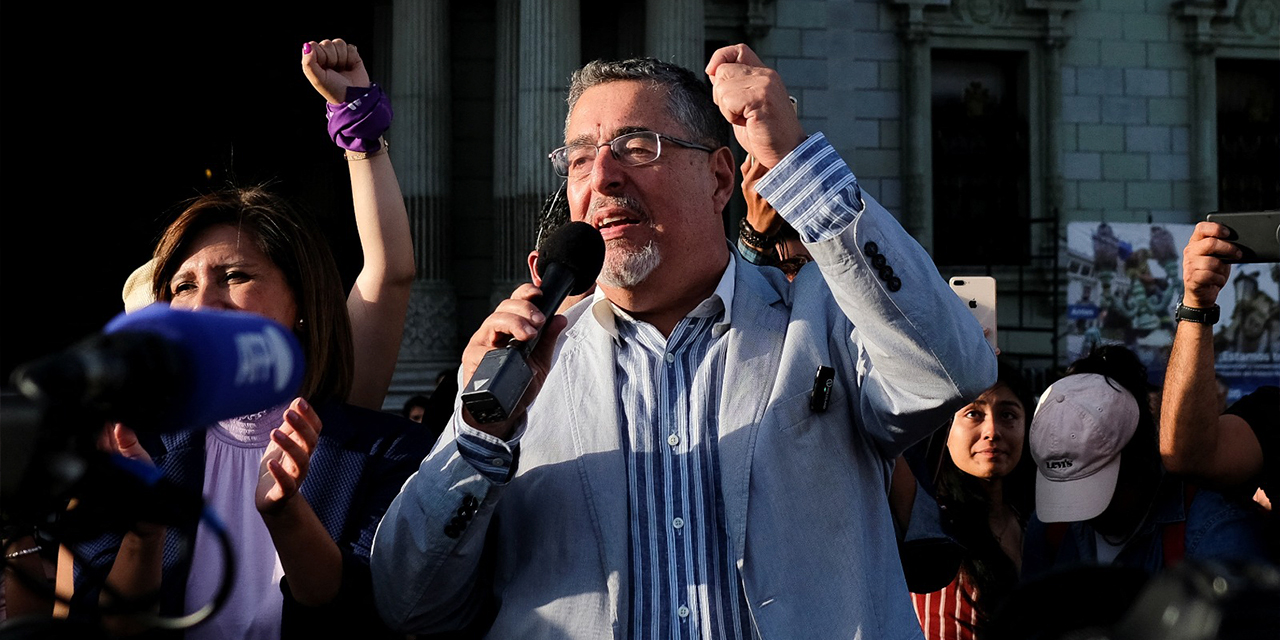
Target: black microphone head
[578, 247]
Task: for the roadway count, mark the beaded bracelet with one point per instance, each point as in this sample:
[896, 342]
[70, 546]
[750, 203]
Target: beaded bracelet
[755, 239]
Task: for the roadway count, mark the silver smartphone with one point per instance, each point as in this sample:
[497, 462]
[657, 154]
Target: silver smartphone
[979, 294]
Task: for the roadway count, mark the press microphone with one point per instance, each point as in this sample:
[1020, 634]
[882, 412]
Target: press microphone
[568, 264]
[162, 369]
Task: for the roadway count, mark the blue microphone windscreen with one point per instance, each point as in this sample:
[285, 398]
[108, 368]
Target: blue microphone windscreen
[235, 363]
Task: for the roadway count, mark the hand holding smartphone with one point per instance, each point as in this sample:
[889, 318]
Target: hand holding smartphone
[979, 295]
[1256, 233]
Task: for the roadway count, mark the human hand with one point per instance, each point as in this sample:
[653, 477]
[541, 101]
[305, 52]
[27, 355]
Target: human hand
[120, 439]
[753, 99]
[332, 66]
[516, 317]
[760, 214]
[284, 465]
[1203, 271]
[117, 438]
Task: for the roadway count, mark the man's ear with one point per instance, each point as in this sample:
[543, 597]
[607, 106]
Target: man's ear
[723, 168]
[533, 268]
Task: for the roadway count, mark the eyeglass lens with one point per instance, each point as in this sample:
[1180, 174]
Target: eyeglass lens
[631, 149]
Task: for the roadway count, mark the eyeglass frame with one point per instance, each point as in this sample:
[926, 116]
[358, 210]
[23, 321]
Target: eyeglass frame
[616, 156]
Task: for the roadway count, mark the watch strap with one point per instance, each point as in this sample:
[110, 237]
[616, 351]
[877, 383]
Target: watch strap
[1197, 315]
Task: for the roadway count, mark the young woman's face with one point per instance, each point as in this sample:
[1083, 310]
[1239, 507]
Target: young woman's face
[226, 270]
[987, 435]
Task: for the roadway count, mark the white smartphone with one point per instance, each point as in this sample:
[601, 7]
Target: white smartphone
[979, 294]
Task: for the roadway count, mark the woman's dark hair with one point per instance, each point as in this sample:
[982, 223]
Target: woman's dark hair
[291, 244]
[967, 509]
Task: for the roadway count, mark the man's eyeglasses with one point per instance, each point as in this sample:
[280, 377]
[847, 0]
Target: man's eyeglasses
[632, 149]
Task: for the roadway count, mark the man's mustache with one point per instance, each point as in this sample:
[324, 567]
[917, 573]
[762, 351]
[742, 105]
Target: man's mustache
[623, 202]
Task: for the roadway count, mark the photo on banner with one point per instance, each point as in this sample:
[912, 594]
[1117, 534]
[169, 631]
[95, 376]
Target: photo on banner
[1124, 281]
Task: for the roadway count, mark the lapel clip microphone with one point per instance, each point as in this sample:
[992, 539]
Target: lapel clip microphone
[823, 381]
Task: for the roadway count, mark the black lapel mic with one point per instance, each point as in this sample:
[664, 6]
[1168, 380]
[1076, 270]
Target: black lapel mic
[568, 264]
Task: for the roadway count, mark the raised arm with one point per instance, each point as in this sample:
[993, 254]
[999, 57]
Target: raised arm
[379, 300]
[924, 354]
[1194, 439]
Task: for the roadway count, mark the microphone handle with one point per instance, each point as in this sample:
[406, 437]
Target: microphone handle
[556, 283]
[503, 375]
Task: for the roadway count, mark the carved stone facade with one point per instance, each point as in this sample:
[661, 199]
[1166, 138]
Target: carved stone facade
[1119, 99]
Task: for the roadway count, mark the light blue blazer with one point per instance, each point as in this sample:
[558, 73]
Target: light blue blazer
[804, 492]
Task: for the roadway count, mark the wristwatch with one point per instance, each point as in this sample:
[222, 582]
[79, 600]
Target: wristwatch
[1198, 316]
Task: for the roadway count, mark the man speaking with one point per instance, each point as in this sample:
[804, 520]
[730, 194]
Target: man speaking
[705, 447]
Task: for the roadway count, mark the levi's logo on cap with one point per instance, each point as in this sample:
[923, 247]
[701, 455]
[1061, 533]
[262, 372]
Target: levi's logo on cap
[1057, 464]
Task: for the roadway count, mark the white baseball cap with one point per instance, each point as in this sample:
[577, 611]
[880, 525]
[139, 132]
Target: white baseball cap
[1081, 423]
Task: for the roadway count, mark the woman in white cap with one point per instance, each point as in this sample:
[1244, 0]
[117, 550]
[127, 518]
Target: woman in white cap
[1102, 495]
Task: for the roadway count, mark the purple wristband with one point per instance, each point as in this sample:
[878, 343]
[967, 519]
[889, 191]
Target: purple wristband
[356, 124]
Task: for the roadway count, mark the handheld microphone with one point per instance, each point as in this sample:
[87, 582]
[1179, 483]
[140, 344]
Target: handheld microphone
[573, 256]
[162, 369]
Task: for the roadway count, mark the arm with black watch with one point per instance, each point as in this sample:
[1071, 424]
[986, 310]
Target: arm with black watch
[1197, 315]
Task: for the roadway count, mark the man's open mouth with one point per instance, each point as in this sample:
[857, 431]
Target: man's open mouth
[615, 220]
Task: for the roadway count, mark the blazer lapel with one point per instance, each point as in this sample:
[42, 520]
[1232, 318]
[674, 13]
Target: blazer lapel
[588, 359]
[754, 351]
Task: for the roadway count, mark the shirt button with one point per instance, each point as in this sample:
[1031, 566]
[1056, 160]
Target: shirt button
[498, 462]
[683, 611]
[673, 439]
[678, 523]
[671, 357]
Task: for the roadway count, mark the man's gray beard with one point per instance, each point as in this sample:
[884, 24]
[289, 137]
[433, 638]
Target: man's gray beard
[627, 267]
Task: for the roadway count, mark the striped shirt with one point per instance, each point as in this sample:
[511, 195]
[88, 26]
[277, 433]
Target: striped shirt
[948, 614]
[684, 583]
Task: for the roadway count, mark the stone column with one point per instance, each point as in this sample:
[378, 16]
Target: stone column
[538, 48]
[420, 150]
[917, 144]
[1204, 129]
[1204, 103]
[1055, 39]
[675, 32]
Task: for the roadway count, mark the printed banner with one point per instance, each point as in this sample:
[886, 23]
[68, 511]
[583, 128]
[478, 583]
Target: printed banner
[1124, 281]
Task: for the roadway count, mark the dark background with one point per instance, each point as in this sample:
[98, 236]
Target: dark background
[111, 118]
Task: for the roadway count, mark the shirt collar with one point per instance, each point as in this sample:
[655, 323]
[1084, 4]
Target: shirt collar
[606, 313]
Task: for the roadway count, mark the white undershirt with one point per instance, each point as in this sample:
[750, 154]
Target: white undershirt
[233, 450]
[1107, 552]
